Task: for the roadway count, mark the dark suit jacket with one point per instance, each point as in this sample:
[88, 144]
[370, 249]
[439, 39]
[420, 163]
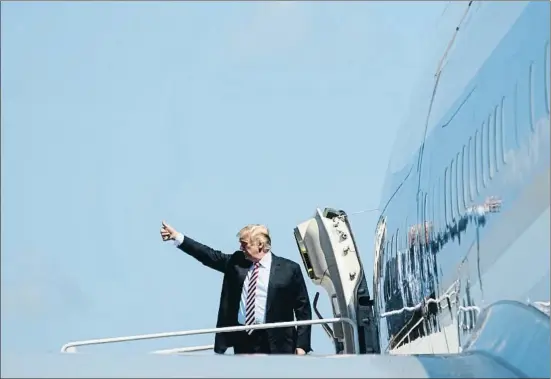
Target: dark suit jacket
[287, 294]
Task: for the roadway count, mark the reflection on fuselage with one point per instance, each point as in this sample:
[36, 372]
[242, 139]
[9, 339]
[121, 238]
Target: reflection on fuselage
[417, 279]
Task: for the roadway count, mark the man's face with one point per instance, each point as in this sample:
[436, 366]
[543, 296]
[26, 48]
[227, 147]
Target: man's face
[253, 252]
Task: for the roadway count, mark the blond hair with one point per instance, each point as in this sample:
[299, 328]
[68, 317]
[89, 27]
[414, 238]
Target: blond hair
[245, 231]
[256, 233]
[260, 233]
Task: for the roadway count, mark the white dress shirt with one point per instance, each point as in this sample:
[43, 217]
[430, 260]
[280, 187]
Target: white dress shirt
[261, 291]
[261, 287]
[179, 239]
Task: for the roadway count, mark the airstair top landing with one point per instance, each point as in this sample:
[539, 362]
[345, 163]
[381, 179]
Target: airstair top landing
[511, 340]
[228, 366]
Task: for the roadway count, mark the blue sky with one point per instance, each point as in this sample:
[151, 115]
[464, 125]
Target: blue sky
[209, 115]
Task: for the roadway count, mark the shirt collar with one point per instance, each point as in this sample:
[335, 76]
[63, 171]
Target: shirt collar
[266, 260]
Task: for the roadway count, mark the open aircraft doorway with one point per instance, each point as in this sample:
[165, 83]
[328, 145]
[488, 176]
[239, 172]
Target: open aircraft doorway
[331, 259]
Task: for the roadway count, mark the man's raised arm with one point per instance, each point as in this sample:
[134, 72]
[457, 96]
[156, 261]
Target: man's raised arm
[209, 257]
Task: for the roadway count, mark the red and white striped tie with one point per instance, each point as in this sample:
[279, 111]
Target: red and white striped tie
[251, 296]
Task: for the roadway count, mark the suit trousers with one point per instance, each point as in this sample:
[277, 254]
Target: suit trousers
[255, 343]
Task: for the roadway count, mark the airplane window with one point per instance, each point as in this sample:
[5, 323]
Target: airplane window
[392, 261]
[400, 261]
[482, 155]
[515, 115]
[458, 171]
[428, 220]
[472, 173]
[464, 176]
[476, 157]
[438, 203]
[433, 206]
[386, 270]
[490, 141]
[501, 128]
[498, 136]
[531, 89]
[405, 238]
[437, 194]
[399, 239]
[547, 78]
[408, 248]
[426, 209]
[453, 189]
[446, 196]
[381, 286]
[419, 207]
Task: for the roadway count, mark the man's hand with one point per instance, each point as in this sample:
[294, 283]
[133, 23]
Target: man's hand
[299, 351]
[168, 232]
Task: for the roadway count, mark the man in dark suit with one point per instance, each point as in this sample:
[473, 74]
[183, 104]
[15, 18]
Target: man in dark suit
[258, 287]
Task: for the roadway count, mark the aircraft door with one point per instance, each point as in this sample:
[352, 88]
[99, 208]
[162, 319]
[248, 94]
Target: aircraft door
[331, 259]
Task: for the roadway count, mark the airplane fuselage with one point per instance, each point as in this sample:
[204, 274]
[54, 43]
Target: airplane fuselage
[466, 218]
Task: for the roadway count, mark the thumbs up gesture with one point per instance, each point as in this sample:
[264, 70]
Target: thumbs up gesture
[168, 232]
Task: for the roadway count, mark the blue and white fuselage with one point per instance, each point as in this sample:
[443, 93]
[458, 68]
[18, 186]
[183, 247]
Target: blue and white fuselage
[466, 199]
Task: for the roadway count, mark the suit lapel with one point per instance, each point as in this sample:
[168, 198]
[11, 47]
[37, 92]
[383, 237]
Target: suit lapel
[276, 265]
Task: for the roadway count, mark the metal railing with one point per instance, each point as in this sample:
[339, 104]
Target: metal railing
[71, 346]
[180, 350]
